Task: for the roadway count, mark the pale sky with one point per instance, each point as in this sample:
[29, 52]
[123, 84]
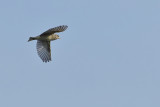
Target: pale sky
[108, 57]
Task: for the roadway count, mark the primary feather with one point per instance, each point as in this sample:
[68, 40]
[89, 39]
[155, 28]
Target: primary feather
[43, 50]
[54, 30]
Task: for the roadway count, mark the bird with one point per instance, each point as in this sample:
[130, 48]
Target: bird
[44, 39]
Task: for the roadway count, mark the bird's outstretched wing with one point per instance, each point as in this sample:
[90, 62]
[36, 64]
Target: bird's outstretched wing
[54, 30]
[43, 50]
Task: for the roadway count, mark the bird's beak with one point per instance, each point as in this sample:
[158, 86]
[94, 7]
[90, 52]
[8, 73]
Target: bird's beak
[58, 37]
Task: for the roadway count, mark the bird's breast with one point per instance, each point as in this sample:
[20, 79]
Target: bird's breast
[51, 37]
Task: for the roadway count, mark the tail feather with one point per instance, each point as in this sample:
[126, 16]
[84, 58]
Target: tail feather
[31, 38]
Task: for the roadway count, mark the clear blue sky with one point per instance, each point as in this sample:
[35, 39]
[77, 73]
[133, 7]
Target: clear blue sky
[108, 57]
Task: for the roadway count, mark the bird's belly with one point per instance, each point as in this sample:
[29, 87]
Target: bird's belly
[50, 38]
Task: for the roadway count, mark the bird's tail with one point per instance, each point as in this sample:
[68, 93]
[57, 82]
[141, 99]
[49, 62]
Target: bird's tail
[31, 38]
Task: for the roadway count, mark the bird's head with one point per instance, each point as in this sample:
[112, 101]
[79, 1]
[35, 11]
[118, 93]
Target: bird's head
[57, 36]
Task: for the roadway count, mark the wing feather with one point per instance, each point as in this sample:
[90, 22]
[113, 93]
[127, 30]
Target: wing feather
[54, 30]
[43, 50]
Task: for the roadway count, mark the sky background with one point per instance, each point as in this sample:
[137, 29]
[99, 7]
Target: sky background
[108, 57]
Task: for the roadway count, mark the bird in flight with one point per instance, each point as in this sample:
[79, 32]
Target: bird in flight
[43, 42]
